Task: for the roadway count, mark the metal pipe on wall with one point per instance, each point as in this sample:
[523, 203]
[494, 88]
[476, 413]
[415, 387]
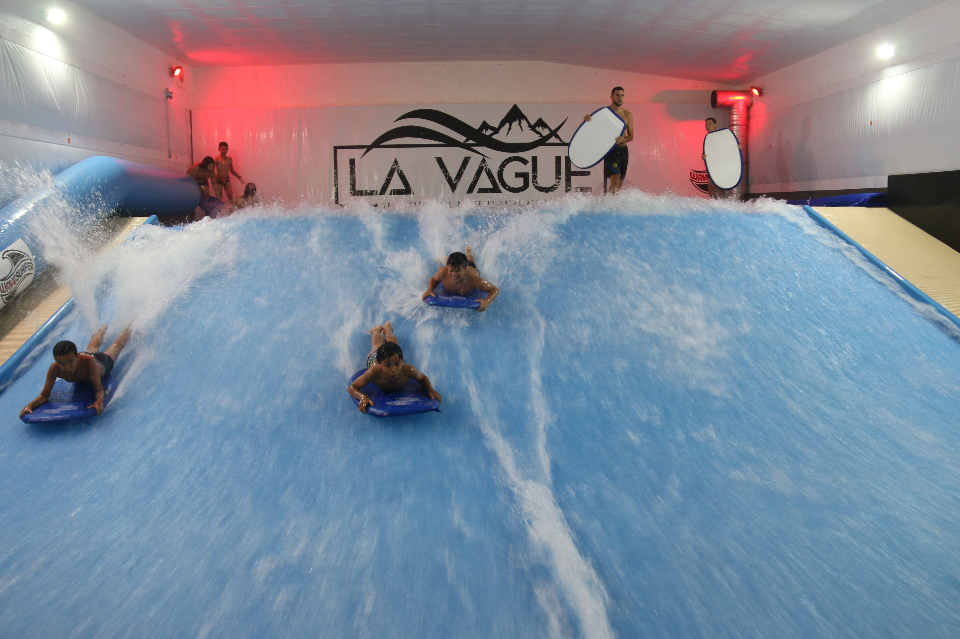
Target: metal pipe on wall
[167, 95]
[739, 103]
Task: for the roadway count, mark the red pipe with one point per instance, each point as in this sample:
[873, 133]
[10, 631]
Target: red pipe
[739, 103]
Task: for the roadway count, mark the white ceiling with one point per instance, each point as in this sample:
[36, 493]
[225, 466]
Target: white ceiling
[729, 41]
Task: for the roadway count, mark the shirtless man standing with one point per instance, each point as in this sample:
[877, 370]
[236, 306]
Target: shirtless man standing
[615, 162]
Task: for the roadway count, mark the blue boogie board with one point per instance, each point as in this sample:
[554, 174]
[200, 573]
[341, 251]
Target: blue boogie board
[449, 300]
[69, 401]
[409, 400]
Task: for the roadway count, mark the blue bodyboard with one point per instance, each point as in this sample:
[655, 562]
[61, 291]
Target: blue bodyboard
[449, 300]
[69, 401]
[409, 400]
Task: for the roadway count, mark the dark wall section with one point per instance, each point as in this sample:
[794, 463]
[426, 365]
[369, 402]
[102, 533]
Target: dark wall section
[806, 195]
[930, 201]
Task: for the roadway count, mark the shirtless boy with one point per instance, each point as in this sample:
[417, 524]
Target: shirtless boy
[460, 276]
[615, 162]
[250, 197]
[88, 366]
[386, 369]
[202, 171]
[221, 182]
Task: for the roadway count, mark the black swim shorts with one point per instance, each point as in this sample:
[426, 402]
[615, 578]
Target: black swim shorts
[104, 360]
[615, 162]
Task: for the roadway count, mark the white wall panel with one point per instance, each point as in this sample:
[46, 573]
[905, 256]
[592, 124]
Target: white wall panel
[289, 153]
[316, 85]
[846, 119]
[902, 124]
[40, 91]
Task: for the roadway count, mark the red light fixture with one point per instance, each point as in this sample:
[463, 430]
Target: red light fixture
[177, 72]
[757, 91]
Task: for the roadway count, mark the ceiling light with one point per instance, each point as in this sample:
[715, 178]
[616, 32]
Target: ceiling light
[886, 51]
[53, 15]
[757, 91]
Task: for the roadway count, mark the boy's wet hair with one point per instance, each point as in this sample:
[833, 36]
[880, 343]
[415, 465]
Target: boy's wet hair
[250, 190]
[207, 160]
[223, 144]
[65, 347]
[457, 260]
[615, 89]
[714, 120]
[388, 350]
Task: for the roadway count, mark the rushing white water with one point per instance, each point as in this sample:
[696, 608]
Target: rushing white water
[677, 420]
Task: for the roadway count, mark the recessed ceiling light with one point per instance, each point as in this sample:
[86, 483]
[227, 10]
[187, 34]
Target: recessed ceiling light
[54, 15]
[886, 51]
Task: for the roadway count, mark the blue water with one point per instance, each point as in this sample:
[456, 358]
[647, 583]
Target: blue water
[674, 422]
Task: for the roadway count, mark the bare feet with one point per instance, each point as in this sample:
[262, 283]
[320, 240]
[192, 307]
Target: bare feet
[469, 253]
[119, 343]
[388, 332]
[97, 339]
[376, 337]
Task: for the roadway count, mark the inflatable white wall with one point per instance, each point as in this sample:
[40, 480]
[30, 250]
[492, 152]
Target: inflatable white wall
[845, 119]
[85, 88]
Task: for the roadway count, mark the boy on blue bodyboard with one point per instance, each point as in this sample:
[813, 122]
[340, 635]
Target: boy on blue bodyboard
[461, 277]
[88, 366]
[385, 368]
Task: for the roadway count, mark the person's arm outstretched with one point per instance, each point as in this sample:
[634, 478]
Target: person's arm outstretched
[354, 390]
[491, 291]
[432, 284]
[234, 171]
[44, 395]
[424, 382]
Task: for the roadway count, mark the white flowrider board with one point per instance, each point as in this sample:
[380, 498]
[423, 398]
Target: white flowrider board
[594, 139]
[724, 161]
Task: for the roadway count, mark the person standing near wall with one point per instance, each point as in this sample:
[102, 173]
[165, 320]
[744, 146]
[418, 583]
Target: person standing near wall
[715, 193]
[202, 171]
[224, 168]
[615, 162]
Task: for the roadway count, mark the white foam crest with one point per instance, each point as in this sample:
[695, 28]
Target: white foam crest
[678, 316]
[159, 265]
[341, 340]
[543, 417]
[63, 232]
[441, 228]
[405, 283]
[19, 180]
[545, 523]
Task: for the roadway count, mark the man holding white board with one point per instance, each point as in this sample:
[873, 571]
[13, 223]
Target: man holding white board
[714, 191]
[615, 162]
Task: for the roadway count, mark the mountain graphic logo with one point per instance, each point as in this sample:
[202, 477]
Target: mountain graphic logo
[473, 138]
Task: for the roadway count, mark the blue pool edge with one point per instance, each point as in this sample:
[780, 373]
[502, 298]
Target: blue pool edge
[911, 290]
